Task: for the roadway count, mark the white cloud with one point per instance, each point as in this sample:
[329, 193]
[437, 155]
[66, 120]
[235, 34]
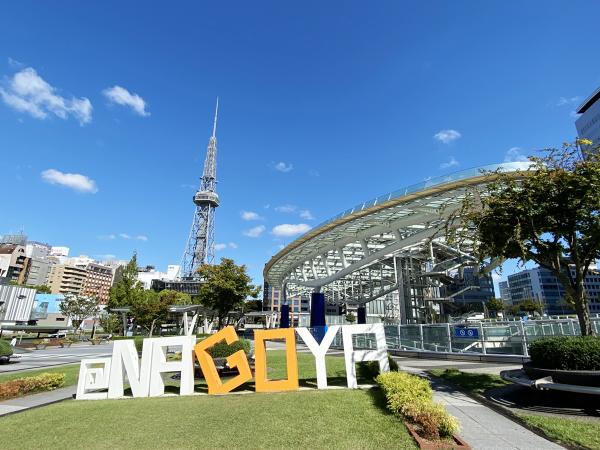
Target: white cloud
[123, 97]
[124, 236]
[15, 64]
[562, 101]
[106, 256]
[141, 237]
[255, 232]
[514, 155]
[314, 173]
[574, 114]
[447, 136]
[29, 93]
[286, 208]
[452, 162]
[223, 246]
[74, 181]
[107, 237]
[306, 215]
[283, 167]
[250, 215]
[287, 229]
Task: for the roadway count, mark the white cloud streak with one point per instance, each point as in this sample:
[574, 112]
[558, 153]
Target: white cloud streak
[123, 97]
[283, 167]
[562, 101]
[75, 181]
[287, 229]
[255, 231]
[286, 208]
[29, 93]
[514, 155]
[223, 246]
[447, 136]
[452, 162]
[306, 215]
[250, 215]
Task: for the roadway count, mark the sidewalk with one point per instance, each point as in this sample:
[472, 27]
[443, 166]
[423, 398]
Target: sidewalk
[35, 400]
[482, 427]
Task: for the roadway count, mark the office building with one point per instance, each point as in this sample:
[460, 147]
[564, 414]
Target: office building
[13, 263]
[469, 286]
[149, 273]
[588, 124]
[64, 279]
[505, 292]
[37, 272]
[98, 281]
[542, 285]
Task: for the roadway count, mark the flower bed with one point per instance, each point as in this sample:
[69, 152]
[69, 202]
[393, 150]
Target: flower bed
[411, 398]
[30, 385]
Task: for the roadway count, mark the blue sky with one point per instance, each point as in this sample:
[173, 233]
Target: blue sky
[322, 105]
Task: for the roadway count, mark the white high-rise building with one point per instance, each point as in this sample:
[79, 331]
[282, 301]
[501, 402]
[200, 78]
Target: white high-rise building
[588, 124]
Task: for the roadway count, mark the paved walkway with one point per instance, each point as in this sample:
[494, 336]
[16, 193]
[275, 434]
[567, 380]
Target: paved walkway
[482, 427]
[35, 400]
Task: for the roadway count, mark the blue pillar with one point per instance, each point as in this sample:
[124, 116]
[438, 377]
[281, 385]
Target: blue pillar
[317, 316]
[284, 319]
[362, 314]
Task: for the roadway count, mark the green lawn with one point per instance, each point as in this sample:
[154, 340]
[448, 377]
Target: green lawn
[577, 433]
[330, 419]
[71, 372]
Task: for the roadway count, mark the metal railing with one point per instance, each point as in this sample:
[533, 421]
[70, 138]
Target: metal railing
[487, 338]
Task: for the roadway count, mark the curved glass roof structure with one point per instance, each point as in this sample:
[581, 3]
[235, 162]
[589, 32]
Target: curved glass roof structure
[352, 256]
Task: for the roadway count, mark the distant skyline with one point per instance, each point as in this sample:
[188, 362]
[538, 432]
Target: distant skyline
[105, 117]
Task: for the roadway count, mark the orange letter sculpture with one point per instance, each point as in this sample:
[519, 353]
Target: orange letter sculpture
[238, 359]
[263, 384]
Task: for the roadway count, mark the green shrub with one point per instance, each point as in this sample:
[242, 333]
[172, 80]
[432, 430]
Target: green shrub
[223, 350]
[370, 369]
[30, 385]
[566, 353]
[411, 397]
[5, 348]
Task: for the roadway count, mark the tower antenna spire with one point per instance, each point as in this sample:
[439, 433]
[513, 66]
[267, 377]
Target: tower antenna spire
[215, 123]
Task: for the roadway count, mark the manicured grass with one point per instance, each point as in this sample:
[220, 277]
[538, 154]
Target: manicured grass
[71, 372]
[473, 382]
[330, 419]
[582, 433]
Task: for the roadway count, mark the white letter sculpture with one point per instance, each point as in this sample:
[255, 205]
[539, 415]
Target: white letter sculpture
[160, 364]
[93, 379]
[319, 350]
[354, 356]
[125, 361]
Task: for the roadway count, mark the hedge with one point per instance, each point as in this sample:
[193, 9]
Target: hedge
[223, 350]
[411, 397]
[566, 353]
[23, 386]
[5, 348]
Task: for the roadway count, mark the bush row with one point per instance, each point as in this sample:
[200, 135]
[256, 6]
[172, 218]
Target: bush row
[411, 397]
[22, 386]
[566, 353]
[5, 348]
[223, 350]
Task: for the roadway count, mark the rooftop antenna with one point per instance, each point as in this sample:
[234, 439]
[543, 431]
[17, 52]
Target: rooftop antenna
[216, 113]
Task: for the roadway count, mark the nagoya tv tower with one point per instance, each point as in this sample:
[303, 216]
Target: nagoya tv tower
[200, 248]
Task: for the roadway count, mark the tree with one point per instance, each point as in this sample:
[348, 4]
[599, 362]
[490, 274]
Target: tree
[495, 304]
[350, 318]
[128, 290]
[151, 309]
[225, 286]
[79, 307]
[530, 306]
[549, 214]
[111, 323]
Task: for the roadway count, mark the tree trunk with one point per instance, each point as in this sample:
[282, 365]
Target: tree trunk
[152, 327]
[583, 312]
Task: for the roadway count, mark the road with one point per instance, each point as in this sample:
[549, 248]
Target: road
[54, 356]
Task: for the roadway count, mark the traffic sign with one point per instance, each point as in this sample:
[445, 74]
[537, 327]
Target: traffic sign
[466, 332]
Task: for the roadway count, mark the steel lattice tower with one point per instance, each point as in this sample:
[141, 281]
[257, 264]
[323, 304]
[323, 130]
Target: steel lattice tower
[200, 248]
